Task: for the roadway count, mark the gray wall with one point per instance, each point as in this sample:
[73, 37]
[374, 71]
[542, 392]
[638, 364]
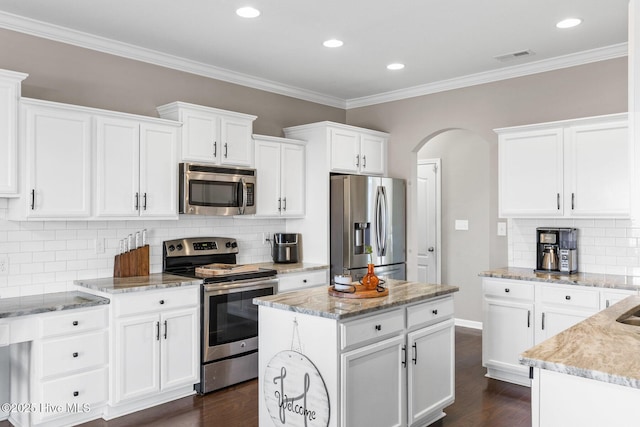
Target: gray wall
[65, 73]
[587, 90]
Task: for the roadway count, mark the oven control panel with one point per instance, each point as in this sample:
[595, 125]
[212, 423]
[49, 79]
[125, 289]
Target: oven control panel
[199, 246]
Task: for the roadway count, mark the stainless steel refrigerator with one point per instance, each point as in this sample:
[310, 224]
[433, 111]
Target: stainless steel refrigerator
[365, 211]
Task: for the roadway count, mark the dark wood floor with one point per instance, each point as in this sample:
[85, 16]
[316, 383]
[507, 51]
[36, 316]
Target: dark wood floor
[479, 401]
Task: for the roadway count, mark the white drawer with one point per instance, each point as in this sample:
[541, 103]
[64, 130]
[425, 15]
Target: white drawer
[74, 353]
[149, 301]
[74, 321]
[293, 281]
[80, 392]
[371, 328]
[429, 312]
[584, 298]
[4, 334]
[508, 289]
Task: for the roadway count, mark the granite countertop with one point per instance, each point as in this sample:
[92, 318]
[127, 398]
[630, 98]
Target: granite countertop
[297, 267]
[317, 301]
[612, 281]
[44, 303]
[117, 285]
[598, 348]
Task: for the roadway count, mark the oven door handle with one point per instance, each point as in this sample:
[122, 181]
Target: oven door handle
[232, 287]
[243, 206]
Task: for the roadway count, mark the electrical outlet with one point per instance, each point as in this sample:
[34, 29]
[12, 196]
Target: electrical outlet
[99, 244]
[4, 265]
[265, 239]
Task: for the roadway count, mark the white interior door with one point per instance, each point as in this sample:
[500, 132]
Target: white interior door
[428, 220]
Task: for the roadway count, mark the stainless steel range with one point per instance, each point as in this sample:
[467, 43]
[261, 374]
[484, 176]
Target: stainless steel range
[229, 320]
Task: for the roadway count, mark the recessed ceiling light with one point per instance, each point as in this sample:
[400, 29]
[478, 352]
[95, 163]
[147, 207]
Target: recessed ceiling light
[332, 43]
[248, 12]
[395, 66]
[569, 23]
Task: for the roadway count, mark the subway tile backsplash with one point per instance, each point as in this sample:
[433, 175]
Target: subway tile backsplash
[606, 246]
[47, 256]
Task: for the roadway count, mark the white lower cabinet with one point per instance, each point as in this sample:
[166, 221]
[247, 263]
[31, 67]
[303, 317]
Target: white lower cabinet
[402, 375]
[63, 374]
[520, 314]
[156, 337]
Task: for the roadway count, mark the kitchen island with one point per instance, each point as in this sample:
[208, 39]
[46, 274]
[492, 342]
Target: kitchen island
[338, 362]
[589, 375]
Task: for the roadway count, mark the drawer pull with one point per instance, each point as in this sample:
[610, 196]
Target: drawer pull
[75, 323]
[568, 297]
[304, 280]
[161, 301]
[435, 312]
[75, 354]
[378, 327]
[507, 290]
[76, 394]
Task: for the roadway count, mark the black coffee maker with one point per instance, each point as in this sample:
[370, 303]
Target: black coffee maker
[557, 250]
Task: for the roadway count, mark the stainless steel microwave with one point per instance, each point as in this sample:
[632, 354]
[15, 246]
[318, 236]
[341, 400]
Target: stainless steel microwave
[216, 190]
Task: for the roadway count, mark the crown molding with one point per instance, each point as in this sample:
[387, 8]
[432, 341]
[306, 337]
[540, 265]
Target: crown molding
[125, 50]
[566, 61]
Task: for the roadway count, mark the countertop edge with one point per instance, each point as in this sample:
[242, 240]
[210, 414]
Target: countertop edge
[119, 285]
[89, 300]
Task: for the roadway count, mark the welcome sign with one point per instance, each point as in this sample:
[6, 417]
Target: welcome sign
[294, 391]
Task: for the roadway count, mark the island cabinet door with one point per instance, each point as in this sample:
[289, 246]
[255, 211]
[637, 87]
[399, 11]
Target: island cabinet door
[373, 386]
[508, 331]
[431, 371]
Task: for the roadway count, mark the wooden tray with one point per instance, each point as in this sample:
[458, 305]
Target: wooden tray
[360, 292]
[218, 269]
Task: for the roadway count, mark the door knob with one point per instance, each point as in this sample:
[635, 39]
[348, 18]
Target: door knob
[431, 249]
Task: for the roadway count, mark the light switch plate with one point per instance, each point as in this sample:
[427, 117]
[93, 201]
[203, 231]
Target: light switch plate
[502, 229]
[462, 224]
[4, 265]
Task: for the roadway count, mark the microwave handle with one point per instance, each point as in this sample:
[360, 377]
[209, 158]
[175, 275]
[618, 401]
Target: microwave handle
[244, 196]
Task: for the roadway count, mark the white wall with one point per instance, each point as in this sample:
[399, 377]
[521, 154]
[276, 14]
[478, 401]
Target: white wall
[47, 256]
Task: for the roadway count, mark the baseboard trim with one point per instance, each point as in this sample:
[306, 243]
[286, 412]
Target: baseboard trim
[469, 324]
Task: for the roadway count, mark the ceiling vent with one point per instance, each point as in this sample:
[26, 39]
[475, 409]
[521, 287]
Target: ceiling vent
[514, 55]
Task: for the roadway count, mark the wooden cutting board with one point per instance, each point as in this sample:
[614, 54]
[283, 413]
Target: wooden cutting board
[219, 269]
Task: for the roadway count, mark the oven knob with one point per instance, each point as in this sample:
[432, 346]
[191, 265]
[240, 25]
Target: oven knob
[228, 244]
[179, 247]
[234, 245]
[243, 344]
[172, 248]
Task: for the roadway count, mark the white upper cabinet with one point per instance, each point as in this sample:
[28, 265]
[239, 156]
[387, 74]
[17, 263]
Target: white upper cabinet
[136, 172]
[357, 152]
[280, 165]
[10, 84]
[57, 161]
[212, 135]
[574, 168]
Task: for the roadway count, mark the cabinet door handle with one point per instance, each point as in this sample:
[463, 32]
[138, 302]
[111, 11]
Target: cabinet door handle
[225, 150]
[415, 353]
[543, 321]
[568, 297]
[573, 201]
[528, 318]
[284, 203]
[279, 204]
[558, 200]
[75, 354]
[364, 161]
[404, 356]
[215, 149]
[165, 329]
[144, 197]
[358, 160]
[136, 207]
[157, 331]
[33, 199]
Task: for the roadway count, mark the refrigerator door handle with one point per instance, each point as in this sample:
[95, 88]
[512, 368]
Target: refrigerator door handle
[381, 221]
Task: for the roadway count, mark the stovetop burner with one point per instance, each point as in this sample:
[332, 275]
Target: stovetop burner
[182, 256]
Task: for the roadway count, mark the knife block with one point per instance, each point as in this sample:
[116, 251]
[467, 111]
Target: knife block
[132, 263]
